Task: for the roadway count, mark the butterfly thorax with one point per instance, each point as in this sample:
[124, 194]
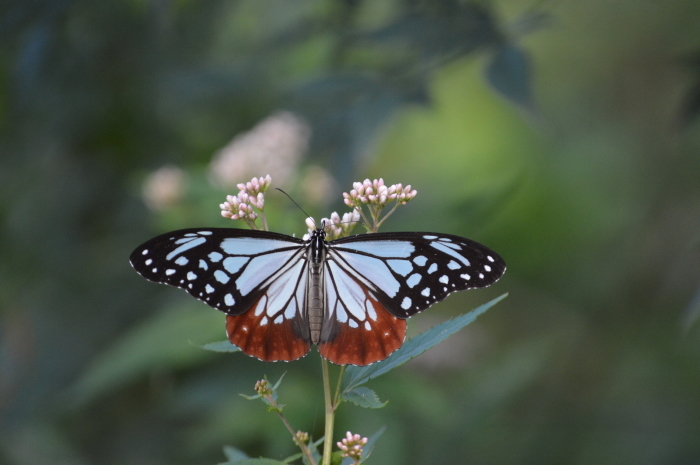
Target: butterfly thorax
[316, 253]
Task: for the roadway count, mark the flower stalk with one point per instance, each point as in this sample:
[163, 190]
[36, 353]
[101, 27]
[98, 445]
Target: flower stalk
[367, 200]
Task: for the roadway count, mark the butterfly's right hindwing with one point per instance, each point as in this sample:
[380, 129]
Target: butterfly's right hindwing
[228, 269]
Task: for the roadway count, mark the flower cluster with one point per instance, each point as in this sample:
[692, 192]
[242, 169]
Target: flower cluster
[375, 196]
[301, 437]
[263, 388]
[335, 226]
[376, 193]
[352, 445]
[164, 188]
[250, 195]
[276, 145]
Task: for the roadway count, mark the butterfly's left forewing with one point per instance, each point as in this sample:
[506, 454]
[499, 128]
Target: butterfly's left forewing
[225, 268]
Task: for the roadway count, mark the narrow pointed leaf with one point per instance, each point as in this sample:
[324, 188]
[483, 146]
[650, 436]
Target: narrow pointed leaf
[233, 454]
[356, 376]
[220, 346]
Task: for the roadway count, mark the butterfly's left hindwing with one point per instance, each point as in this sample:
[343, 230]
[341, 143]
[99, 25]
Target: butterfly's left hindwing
[409, 272]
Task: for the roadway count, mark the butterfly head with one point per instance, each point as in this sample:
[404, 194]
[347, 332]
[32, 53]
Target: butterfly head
[320, 232]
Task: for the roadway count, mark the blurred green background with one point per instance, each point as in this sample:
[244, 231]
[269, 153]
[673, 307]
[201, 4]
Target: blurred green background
[561, 134]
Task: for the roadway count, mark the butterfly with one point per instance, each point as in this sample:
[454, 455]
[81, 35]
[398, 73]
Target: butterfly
[350, 296]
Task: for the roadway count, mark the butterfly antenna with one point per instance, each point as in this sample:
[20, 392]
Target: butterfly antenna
[290, 198]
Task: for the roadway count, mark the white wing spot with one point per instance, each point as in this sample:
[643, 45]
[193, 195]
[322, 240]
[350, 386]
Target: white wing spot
[432, 269]
[155, 270]
[261, 306]
[487, 268]
[205, 233]
[190, 235]
[291, 309]
[368, 326]
[425, 292]
[406, 303]
[229, 300]
[445, 239]
[370, 310]
[168, 272]
[430, 237]
[389, 249]
[413, 280]
[263, 322]
[444, 279]
[148, 262]
[481, 275]
[209, 289]
[190, 286]
[190, 243]
[233, 264]
[453, 265]
[449, 250]
[191, 276]
[465, 276]
[215, 257]
[144, 252]
[402, 267]
[182, 261]
[444, 289]
[490, 258]
[420, 260]
[452, 246]
[353, 324]
[222, 277]
[203, 265]
[342, 315]
[279, 319]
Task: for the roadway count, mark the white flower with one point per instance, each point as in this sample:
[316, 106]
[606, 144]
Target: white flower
[164, 187]
[274, 146]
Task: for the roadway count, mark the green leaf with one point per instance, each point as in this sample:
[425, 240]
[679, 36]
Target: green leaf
[337, 458]
[158, 344]
[221, 346]
[233, 454]
[509, 73]
[277, 384]
[364, 397]
[253, 462]
[356, 376]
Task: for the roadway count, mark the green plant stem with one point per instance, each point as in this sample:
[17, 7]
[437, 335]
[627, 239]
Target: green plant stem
[336, 397]
[304, 449]
[330, 414]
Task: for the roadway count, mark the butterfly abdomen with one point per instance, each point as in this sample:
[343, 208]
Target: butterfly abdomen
[316, 256]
